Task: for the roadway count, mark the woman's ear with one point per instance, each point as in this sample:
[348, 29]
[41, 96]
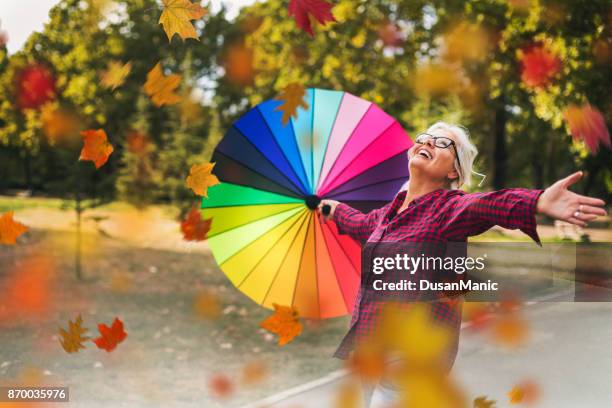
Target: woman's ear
[453, 175]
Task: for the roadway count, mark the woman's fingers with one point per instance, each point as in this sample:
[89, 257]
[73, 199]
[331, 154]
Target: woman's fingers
[576, 221]
[584, 217]
[589, 209]
[590, 201]
[571, 179]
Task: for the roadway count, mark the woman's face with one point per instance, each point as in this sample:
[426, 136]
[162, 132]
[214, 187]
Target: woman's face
[431, 162]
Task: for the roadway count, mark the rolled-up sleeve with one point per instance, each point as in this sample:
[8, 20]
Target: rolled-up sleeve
[472, 214]
[356, 224]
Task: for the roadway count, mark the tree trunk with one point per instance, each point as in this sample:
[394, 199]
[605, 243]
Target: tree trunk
[500, 149]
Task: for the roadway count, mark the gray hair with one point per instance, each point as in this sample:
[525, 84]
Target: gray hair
[466, 151]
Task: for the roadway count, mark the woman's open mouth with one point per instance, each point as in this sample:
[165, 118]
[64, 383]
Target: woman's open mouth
[424, 153]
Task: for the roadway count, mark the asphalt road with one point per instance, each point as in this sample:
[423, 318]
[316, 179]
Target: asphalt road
[569, 355]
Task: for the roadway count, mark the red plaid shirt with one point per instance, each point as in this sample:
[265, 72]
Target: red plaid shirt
[437, 217]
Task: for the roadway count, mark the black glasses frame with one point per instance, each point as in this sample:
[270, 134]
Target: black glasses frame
[450, 141]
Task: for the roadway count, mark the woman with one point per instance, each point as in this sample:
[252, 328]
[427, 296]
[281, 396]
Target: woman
[432, 208]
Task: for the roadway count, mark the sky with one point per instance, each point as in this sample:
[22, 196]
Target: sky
[21, 17]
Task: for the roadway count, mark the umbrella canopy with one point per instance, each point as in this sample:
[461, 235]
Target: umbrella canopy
[265, 234]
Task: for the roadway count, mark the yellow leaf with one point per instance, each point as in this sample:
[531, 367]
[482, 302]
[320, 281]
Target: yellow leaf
[115, 74]
[483, 402]
[176, 18]
[72, 339]
[10, 229]
[293, 98]
[201, 177]
[160, 88]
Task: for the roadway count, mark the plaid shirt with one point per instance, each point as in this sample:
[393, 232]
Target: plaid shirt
[437, 217]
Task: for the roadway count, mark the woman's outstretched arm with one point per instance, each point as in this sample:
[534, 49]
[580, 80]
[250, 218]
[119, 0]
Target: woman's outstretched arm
[351, 221]
[515, 208]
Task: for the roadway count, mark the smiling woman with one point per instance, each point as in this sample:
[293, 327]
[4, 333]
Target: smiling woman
[432, 209]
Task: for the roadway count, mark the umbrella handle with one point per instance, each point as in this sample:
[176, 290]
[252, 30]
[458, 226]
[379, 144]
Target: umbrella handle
[326, 209]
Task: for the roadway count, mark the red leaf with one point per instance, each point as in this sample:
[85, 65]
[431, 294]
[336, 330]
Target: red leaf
[587, 123]
[539, 65]
[194, 228]
[110, 336]
[302, 9]
[221, 386]
[35, 85]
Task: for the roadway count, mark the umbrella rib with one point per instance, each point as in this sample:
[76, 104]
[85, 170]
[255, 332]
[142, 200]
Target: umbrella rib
[294, 194]
[301, 257]
[321, 182]
[258, 219]
[328, 139]
[344, 251]
[331, 194]
[272, 164]
[304, 189]
[359, 154]
[283, 261]
[299, 216]
[332, 262]
[312, 182]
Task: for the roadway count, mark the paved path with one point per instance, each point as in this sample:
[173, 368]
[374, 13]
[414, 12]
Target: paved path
[569, 355]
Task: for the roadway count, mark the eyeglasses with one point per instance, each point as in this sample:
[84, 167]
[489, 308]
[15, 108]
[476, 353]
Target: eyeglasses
[439, 141]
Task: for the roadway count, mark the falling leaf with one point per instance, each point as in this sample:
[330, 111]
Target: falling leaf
[193, 227]
[527, 392]
[201, 177]
[367, 361]
[483, 402]
[161, 89]
[95, 147]
[115, 74]
[121, 282]
[206, 304]
[35, 85]
[436, 80]
[10, 229]
[285, 323]
[59, 123]
[587, 123]
[349, 395]
[238, 64]
[254, 372]
[110, 336]
[414, 333]
[73, 338]
[176, 18]
[137, 142]
[390, 34]
[28, 292]
[220, 386]
[538, 65]
[430, 389]
[510, 330]
[293, 98]
[303, 10]
[466, 42]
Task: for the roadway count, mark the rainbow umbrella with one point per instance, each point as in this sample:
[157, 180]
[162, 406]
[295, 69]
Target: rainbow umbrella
[265, 235]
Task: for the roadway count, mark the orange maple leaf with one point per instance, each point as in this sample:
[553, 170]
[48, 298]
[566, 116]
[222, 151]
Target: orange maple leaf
[526, 392]
[96, 147]
[115, 74]
[206, 305]
[201, 177]
[161, 89]
[303, 10]
[293, 98]
[110, 336]
[483, 402]
[73, 338]
[176, 18]
[254, 371]
[510, 330]
[587, 123]
[285, 322]
[193, 227]
[10, 229]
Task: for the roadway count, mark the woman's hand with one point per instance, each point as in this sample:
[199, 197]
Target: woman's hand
[332, 204]
[561, 204]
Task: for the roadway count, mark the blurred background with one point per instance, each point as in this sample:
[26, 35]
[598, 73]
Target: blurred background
[529, 78]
